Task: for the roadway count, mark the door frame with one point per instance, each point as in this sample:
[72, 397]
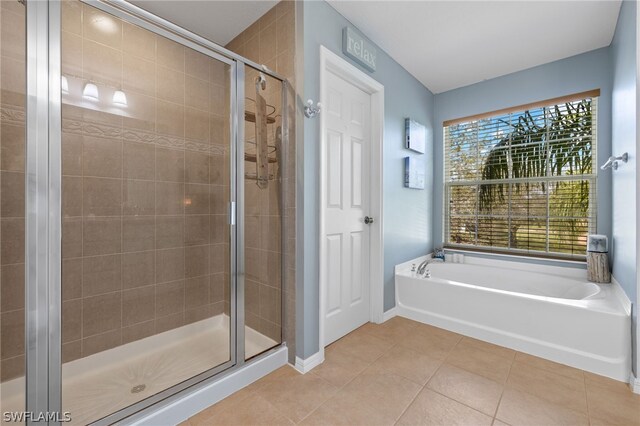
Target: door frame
[332, 63]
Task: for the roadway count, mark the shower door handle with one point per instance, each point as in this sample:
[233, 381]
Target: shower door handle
[232, 213]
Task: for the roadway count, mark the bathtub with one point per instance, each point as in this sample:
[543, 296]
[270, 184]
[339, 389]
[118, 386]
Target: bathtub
[549, 311]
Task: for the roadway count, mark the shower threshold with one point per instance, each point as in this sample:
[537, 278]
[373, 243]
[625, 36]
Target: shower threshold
[100, 384]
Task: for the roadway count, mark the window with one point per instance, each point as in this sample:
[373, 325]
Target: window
[523, 180]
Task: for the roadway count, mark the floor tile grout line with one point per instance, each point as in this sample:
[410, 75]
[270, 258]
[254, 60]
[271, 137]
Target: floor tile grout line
[408, 405]
[586, 397]
[369, 364]
[337, 389]
[459, 402]
[392, 344]
[417, 395]
[473, 372]
[553, 403]
[354, 377]
[557, 375]
[443, 362]
[504, 387]
[313, 411]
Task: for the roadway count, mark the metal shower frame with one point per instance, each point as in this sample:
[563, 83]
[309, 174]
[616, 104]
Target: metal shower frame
[43, 192]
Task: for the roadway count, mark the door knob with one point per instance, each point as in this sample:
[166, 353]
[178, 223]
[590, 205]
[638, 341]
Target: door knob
[368, 220]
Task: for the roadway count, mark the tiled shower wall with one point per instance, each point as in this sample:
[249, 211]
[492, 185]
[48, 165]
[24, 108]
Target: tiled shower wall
[12, 156]
[145, 188]
[271, 41]
[144, 232]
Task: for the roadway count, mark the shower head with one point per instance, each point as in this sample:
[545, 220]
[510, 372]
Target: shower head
[261, 82]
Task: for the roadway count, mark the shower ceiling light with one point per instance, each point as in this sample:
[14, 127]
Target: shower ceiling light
[119, 98]
[90, 92]
[64, 85]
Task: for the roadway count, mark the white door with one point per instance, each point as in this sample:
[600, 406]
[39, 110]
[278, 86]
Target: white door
[346, 198]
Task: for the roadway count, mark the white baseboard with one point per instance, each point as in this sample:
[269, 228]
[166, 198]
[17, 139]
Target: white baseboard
[390, 314]
[634, 384]
[180, 410]
[306, 365]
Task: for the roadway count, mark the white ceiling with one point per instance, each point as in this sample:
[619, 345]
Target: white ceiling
[451, 44]
[219, 20]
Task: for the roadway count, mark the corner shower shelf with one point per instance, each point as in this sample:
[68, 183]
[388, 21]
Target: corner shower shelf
[253, 158]
[253, 176]
[250, 116]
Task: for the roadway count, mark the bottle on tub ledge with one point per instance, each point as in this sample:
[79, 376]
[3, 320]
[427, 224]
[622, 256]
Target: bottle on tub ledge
[598, 259]
[448, 257]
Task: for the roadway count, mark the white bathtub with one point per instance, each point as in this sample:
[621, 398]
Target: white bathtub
[548, 311]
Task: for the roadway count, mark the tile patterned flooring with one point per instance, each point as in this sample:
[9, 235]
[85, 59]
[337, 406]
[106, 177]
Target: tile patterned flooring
[406, 373]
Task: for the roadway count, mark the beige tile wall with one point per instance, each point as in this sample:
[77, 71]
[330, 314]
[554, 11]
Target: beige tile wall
[12, 155]
[145, 188]
[144, 234]
[271, 41]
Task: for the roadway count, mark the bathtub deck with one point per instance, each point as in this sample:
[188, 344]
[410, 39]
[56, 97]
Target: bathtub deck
[406, 373]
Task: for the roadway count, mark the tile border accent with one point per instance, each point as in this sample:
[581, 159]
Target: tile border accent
[305, 365]
[117, 132]
[13, 115]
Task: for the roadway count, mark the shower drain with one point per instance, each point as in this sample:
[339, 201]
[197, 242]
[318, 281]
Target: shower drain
[138, 388]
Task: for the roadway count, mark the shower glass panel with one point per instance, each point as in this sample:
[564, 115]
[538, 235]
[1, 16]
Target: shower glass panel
[263, 156]
[145, 192]
[12, 191]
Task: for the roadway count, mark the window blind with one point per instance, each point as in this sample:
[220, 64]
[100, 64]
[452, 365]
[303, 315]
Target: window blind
[523, 181]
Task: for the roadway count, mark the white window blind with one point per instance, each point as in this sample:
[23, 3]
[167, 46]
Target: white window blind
[523, 180]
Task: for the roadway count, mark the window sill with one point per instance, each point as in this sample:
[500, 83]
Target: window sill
[515, 257]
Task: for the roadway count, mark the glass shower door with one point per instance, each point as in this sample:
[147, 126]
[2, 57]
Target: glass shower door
[263, 166]
[146, 273]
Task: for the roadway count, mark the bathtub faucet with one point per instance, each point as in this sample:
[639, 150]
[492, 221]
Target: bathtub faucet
[422, 269]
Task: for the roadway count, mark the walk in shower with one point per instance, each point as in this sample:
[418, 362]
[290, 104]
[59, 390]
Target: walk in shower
[149, 255]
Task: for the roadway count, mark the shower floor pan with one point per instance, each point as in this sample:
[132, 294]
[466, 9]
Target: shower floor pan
[100, 384]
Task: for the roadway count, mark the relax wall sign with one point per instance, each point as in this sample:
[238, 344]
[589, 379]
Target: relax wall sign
[358, 48]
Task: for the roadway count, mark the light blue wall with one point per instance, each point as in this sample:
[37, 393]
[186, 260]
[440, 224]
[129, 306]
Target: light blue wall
[623, 54]
[576, 74]
[407, 212]
[611, 69]
[413, 219]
